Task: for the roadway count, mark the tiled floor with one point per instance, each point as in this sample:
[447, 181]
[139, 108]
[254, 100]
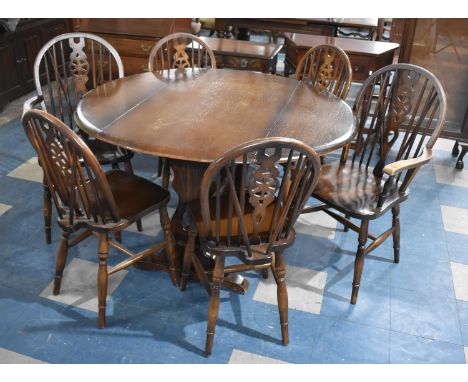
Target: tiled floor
[413, 312]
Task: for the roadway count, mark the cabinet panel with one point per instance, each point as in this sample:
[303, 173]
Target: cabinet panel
[10, 78]
[29, 45]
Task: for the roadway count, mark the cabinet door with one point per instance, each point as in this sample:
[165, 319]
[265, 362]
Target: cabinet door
[30, 43]
[10, 81]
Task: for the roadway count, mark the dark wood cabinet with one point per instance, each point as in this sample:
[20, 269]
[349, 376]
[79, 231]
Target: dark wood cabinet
[133, 38]
[18, 51]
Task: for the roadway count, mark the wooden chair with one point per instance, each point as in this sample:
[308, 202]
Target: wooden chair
[327, 67]
[65, 68]
[248, 211]
[90, 201]
[180, 51]
[400, 111]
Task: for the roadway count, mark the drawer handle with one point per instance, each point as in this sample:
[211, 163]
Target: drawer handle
[145, 48]
[144, 68]
[356, 68]
[244, 62]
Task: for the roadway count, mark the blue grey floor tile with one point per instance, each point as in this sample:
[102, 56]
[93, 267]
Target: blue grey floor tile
[425, 314]
[463, 315]
[345, 342]
[405, 348]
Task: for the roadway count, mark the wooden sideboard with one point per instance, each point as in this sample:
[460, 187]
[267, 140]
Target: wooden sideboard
[133, 38]
[365, 56]
[18, 51]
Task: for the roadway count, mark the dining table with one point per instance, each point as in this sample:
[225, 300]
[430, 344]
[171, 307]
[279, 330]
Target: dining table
[191, 117]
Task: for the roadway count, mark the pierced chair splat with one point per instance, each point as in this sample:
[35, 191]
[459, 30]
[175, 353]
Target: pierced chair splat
[328, 68]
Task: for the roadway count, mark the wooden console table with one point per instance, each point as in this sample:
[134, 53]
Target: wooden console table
[365, 56]
[244, 55]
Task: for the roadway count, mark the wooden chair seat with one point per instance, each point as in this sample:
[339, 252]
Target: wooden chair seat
[355, 190]
[135, 196]
[195, 209]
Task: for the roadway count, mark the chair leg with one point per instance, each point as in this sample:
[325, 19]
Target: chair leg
[188, 253]
[282, 294]
[345, 227]
[166, 174]
[359, 261]
[118, 236]
[47, 214]
[129, 168]
[102, 278]
[170, 246]
[213, 307]
[396, 233]
[60, 262]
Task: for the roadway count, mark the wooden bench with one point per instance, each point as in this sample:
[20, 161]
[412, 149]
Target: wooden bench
[244, 55]
[365, 56]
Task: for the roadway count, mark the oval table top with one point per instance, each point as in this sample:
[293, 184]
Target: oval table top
[198, 116]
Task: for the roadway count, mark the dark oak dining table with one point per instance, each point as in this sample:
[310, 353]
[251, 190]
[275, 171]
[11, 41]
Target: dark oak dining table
[193, 117]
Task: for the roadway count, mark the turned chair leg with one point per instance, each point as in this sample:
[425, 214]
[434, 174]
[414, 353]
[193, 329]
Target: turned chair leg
[188, 253]
[118, 236]
[396, 233]
[359, 261]
[166, 174]
[47, 214]
[282, 295]
[170, 246]
[345, 227]
[213, 307]
[102, 278]
[60, 262]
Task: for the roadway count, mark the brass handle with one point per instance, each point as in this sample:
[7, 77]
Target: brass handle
[244, 62]
[145, 48]
[144, 68]
[356, 68]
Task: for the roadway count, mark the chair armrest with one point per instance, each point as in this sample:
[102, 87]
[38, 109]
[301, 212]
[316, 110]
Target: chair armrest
[407, 164]
[30, 103]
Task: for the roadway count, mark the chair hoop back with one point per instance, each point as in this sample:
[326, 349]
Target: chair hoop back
[400, 109]
[72, 173]
[262, 204]
[328, 68]
[72, 64]
[181, 51]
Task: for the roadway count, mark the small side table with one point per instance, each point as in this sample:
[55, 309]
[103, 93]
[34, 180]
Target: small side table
[244, 55]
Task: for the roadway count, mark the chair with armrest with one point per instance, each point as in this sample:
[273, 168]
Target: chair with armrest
[90, 201]
[247, 210]
[400, 111]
